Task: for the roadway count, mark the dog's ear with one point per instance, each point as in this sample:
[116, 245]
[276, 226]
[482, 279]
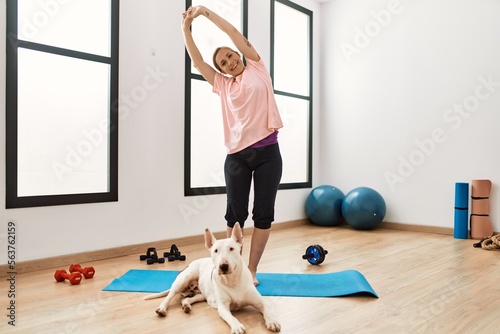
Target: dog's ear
[237, 233]
[209, 239]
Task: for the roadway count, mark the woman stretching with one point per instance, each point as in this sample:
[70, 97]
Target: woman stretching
[251, 121]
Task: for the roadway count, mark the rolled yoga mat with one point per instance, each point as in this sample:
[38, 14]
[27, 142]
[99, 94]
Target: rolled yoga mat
[461, 223]
[343, 283]
[480, 224]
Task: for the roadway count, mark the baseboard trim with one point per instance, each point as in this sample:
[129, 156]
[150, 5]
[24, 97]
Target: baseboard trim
[86, 257]
[417, 228]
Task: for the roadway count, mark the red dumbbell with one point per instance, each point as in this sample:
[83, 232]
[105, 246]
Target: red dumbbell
[88, 272]
[73, 278]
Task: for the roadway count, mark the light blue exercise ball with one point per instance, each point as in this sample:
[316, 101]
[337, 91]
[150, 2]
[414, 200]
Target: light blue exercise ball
[363, 208]
[324, 205]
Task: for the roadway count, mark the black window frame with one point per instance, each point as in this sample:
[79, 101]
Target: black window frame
[309, 98]
[188, 190]
[196, 191]
[13, 44]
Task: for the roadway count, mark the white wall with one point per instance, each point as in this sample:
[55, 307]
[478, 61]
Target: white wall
[392, 87]
[151, 202]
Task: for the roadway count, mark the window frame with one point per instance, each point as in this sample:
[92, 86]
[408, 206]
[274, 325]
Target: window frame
[308, 182]
[188, 189]
[214, 190]
[13, 43]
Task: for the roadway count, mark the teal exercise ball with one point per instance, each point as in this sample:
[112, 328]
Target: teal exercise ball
[363, 208]
[324, 205]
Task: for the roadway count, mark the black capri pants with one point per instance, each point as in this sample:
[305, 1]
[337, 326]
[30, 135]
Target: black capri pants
[264, 165]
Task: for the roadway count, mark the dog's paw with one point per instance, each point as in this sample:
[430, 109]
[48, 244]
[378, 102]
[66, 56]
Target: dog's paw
[273, 326]
[238, 329]
[161, 312]
[186, 307]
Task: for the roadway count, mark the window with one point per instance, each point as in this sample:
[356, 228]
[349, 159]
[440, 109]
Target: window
[205, 151]
[61, 102]
[291, 70]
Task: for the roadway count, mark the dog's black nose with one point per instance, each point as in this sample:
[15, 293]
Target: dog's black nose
[224, 267]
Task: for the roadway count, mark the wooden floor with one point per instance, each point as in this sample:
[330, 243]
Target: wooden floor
[427, 283]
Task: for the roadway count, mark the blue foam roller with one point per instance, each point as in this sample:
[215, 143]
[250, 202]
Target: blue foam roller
[461, 195]
[461, 230]
[461, 216]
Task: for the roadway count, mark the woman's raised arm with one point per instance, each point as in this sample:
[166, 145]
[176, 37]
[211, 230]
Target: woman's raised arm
[203, 67]
[240, 41]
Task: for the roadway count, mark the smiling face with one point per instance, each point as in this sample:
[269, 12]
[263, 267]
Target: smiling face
[228, 61]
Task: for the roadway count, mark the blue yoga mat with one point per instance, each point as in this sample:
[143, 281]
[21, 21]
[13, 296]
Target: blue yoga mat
[336, 284]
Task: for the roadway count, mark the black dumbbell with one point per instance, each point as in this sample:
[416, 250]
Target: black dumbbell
[174, 254]
[151, 256]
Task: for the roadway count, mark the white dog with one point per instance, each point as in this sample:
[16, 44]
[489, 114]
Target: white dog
[223, 280]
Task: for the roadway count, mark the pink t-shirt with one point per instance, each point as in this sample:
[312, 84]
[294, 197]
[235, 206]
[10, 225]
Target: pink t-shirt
[249, 110]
